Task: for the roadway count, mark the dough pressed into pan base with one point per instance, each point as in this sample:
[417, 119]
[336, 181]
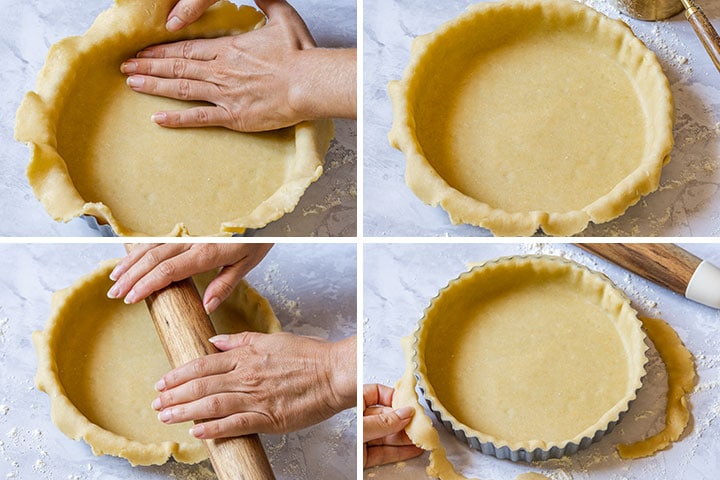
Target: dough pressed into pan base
[95, 151]
[530, 352]
[522, 115]
[681, 380]
[99, 359]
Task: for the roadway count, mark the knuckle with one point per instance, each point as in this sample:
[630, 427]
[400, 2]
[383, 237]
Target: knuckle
[201, 116]
[209, 253]
[150, 85]
[245, 338]
[172, 119]
[143, 67]
[187, 49]
[199, 388]
[251, 378]
[387, 420]
[167, 398]
[153, 68]
[183, 89]
[240, 423]
[151, 257]
[215, 407]
[159, 51]
[224, 288]
[179, 67]
[190, 11]
[167, 269]
[171, 378]
[180, 412]
[198, 367]
[214, 429]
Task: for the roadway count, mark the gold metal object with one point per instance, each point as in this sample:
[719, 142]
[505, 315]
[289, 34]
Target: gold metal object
[661, 9]
[650, 9]
[690, 7]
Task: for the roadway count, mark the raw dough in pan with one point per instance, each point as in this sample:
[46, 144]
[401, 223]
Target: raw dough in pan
[530, 358]
[96, 152]
[99, 359]
[522, 115]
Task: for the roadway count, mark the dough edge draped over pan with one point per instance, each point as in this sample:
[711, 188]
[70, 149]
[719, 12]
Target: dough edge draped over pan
[39, 113]
[66, 415]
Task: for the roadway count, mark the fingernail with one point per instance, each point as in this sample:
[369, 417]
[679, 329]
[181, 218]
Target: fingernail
[174, 24]
[405, 412]
[114, 291]
[128, 67]
[218, 339]
[115, 274]
[145, 54]
[160, 385]
[211, 305]
[158, 117]
[131, 297]
[165, 415]
[135, 81]
[156, 404]
[197, 431]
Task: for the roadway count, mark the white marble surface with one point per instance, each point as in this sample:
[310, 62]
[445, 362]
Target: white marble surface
[688, 201]
[29, 28]
[311, 288]
[400, 280]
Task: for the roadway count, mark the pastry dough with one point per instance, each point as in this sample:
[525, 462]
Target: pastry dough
[681, 374]
[420, 429]
[530, 357]
[96, 152]
[527, 114]
[98, 360]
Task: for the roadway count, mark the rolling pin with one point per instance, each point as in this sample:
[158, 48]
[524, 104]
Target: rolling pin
[667, 265]
[184, 329]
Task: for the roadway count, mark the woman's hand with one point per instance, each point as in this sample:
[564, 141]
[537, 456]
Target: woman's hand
[384, 437]
[264, 79]
[148, 268]
[260, 383]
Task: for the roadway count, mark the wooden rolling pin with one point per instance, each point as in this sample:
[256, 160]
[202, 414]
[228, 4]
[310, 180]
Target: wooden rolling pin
[667, 265]
[184, 329]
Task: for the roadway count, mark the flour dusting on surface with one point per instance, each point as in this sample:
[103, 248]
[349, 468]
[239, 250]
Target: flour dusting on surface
[3, 328]
[343, 189]
[277, 290]
[690, 182]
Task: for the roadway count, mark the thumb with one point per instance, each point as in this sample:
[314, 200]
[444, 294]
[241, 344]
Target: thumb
[378, 426]
[186, 12]
[281, 12]
[228, 342]
[270, 7]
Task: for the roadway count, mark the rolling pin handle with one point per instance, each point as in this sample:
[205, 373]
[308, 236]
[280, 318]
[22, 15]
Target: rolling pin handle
[704, 286]
[663, 263]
